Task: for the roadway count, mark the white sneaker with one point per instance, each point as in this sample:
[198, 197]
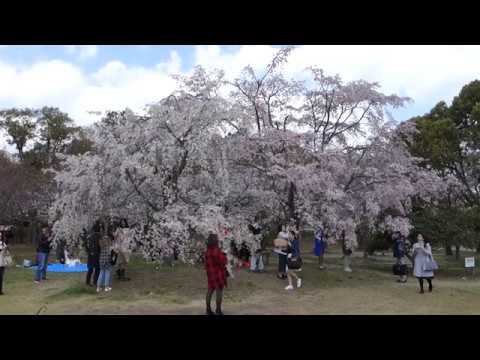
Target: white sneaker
[98, 289]
[289, 287]
[299, 283]
[108, 289]
[348, 270]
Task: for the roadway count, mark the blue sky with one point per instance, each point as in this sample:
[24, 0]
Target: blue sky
[82, 78]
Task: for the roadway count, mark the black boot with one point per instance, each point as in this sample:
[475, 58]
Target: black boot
[119, 274]
[219, 312]
[209, 311]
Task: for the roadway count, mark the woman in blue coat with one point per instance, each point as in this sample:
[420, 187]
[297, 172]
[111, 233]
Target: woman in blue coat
[320, 246]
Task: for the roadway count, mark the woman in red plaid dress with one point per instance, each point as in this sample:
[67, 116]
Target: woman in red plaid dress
[216, 266]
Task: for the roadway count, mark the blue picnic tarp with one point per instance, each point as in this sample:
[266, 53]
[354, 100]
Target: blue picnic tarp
[64, 268]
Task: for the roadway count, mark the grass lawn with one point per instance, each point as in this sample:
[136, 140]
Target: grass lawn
[370, 289]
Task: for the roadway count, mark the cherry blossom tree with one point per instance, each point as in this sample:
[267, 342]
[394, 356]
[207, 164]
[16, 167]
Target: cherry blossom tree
[204, 159]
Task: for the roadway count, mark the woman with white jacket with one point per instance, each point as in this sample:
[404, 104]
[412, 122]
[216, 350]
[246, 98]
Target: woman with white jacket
[423, 263]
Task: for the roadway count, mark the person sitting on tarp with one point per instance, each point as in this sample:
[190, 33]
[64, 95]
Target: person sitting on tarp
[60, 251]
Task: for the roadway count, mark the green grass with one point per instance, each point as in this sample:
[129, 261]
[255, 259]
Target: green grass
[370, 289]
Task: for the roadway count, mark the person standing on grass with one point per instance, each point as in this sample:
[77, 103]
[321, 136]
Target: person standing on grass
[43, 250]
[121, 248]
[424, 265]
[256, 261]
[93, 255]
[399, 252]
[281, 244]
[3, 259]
[293, 261]
[105, 264]
[216, 267]
[347, 253]
[320, 246]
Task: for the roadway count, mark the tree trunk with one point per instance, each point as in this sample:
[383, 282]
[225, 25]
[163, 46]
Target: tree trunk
[20, 153]
[457, 252]
[33, 231]
[448, 250]
[291, 203]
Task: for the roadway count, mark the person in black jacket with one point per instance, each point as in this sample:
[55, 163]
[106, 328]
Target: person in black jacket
[60, 253]
[43, 250]
[399, 252]
[93, 253]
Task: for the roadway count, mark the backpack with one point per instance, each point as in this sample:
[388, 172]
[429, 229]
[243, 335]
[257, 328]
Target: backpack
[6, 259]
[113, 257]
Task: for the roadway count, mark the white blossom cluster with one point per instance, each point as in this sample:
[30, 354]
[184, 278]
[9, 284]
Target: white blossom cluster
[201, 161]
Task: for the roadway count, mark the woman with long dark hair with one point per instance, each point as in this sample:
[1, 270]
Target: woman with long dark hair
[216, 266]
[105, 264]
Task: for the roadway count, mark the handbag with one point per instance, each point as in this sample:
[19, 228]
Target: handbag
[114, 257]
[7, 258]
[295, 263]
[430, 264]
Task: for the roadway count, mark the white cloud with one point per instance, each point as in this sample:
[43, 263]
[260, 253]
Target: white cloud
[427, 74]
[419, 71]
[83, 52]
[213, 56]
[43, 83]
[114, 86]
